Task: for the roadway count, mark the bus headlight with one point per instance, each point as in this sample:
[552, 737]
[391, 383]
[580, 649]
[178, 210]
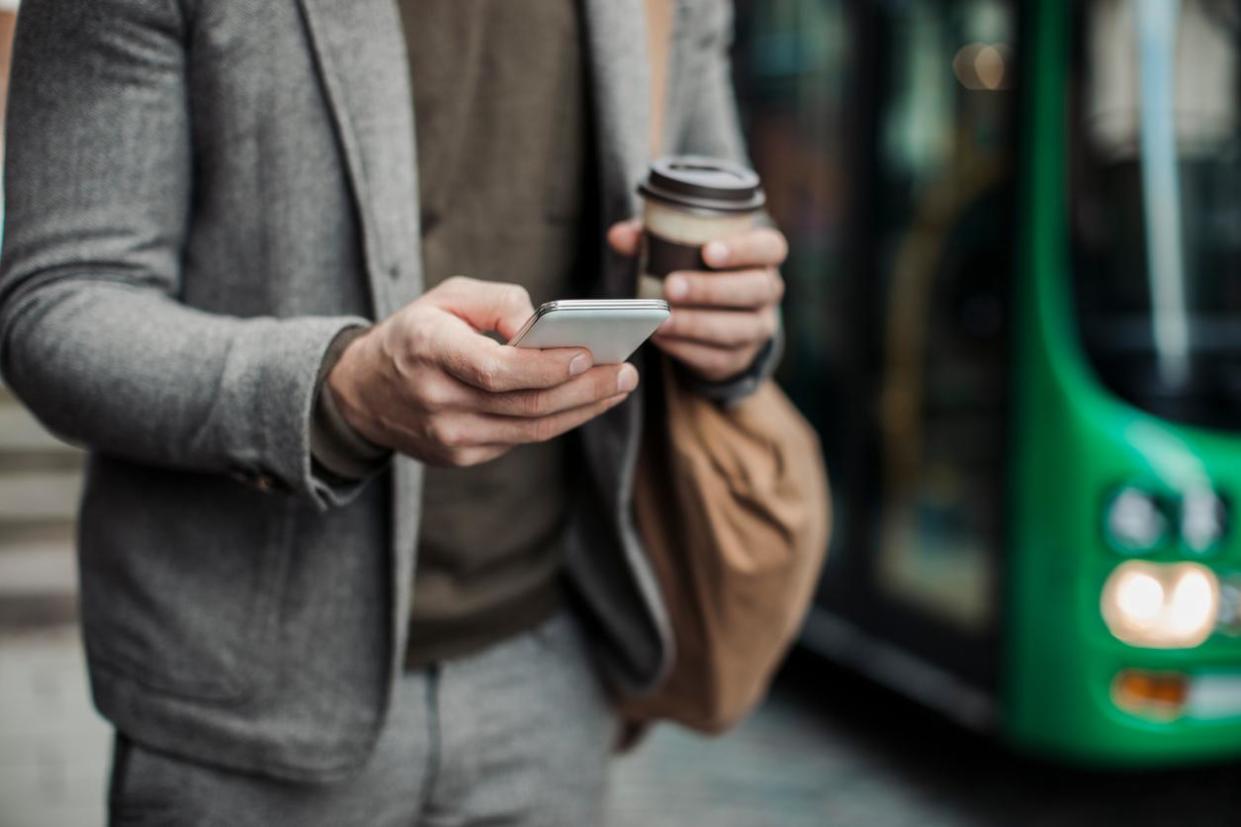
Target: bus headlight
[1134, 521]
[1161, 606]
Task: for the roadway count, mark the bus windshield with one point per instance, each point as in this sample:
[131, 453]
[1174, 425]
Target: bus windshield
[1156, 206]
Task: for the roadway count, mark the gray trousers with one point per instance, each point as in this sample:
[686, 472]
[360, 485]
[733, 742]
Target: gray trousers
[520, 734]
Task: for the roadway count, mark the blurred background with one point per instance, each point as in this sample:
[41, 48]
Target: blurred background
[1014, 316]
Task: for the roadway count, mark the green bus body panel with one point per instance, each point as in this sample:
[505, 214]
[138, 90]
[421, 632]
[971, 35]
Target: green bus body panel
[1073, 442]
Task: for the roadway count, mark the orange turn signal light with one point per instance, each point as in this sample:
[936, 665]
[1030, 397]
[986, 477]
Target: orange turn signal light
[1159, 695]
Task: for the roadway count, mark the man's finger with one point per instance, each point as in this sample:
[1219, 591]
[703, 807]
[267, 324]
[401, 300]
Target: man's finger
[598, 383]
[487, 305]
[624, 236]
[710, 362]
[732, 288]
[489, 429]
[488, 366]
[761, 247]
[720, 328]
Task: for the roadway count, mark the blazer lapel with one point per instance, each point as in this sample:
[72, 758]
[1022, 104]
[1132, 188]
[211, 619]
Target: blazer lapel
[360, 52]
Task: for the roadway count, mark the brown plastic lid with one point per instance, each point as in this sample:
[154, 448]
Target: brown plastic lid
[699, 183]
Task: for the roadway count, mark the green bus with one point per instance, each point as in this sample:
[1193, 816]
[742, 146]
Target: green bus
[1014, 315]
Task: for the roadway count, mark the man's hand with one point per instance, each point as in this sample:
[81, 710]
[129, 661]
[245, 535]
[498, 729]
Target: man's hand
[427, 383]
[721, 319]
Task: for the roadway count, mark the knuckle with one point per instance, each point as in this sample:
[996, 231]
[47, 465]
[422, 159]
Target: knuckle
[757, 291]
[444, 433]
[418, 338]
[454, 438]
[769, 324]
[760, 290]
[487, 374]
[779, 245]
[777, 284]
[433, 431]
[431, 396]
[410, 342]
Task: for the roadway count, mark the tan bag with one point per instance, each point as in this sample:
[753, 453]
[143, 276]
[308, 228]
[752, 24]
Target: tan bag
[732, 504]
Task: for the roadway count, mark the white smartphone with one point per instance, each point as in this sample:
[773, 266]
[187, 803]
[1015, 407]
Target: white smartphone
[611, 329]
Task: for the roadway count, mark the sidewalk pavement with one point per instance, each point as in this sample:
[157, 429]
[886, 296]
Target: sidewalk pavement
[55, 753]
[54, 748]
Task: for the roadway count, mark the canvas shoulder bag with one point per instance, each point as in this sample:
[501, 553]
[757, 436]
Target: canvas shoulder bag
[732, 505]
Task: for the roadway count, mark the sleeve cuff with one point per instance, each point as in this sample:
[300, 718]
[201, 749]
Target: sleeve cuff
[340, 454]
[731, 391]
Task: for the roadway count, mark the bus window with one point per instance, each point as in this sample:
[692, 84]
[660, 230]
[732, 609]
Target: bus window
[884, 134]
[942, 240]
[1156, 215]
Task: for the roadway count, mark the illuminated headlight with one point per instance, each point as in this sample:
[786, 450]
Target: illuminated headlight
[1134, 521]
[1161, 606]
[1204, 520]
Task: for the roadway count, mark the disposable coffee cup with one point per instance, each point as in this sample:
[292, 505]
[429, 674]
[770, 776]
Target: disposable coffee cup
[690, 201]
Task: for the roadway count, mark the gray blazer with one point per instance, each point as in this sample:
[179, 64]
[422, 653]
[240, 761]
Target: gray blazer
[200, 196]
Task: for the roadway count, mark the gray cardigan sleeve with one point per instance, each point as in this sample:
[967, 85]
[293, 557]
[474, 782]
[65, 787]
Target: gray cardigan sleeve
[98, 190]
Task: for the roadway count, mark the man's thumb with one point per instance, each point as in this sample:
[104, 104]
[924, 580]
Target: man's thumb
[489, 306]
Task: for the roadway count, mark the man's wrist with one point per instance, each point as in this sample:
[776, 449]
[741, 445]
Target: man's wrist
[334, 443]
[737, 387]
